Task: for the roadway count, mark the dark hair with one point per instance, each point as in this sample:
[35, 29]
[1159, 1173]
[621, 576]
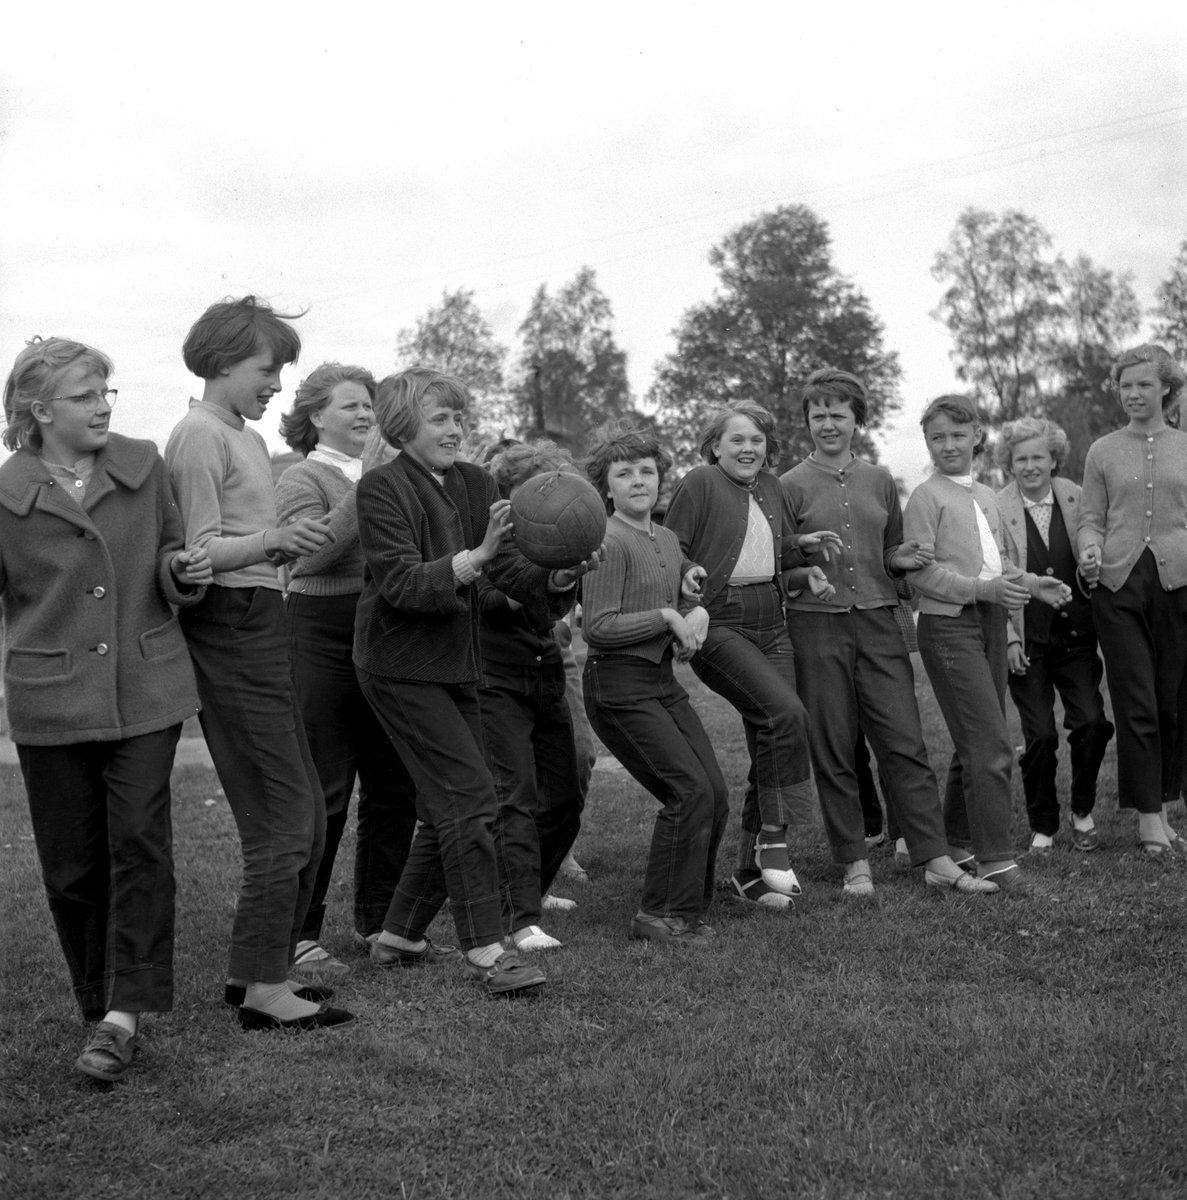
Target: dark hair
[313, 394]
[232, 331]
[400, 400]
[516, 463]
[34, 376]
[960, 409]
[620, 441]
[721, 417]
[830, 384]
[1157, 356]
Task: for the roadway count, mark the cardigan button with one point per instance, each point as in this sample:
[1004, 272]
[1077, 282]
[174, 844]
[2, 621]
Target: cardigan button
[88, 534]
[99, 593]
[101, 648]
[1050, 570]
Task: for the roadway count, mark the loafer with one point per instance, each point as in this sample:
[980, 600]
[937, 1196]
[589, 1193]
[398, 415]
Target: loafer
[1085, 840]
[394, 956]
[315, 962]
[324, 1018]
[672, 930]
[108, 1054]
[234, 995]
[754, 891]
[964, 883]
[964, 859]
[509, 973]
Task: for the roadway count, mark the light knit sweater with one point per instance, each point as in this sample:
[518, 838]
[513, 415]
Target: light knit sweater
[621, 601]
[941, 511]
[1134, 497]
[222, 478]
[312, 489]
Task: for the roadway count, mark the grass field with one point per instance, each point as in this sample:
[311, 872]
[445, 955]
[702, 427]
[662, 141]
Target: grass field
[917, 1045]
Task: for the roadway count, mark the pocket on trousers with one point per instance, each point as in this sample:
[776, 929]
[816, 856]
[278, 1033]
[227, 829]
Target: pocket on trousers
[163, 641]
[37, 666]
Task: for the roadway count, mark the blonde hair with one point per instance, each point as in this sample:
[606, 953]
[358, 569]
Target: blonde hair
[34, 376]
[313, 395]
[1014, 433]
[400, 400]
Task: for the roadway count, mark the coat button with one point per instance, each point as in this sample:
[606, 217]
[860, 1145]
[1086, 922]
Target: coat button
[101, 648]
[99, 593]
[89, 535]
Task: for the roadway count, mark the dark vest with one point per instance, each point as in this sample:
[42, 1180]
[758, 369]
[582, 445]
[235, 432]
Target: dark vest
[1043, 623]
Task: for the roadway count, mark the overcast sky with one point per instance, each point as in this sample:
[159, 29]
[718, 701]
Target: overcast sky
[358, 159]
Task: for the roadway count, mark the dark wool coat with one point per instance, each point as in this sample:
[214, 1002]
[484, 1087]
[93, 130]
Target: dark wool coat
[415, 621]
[92, 650]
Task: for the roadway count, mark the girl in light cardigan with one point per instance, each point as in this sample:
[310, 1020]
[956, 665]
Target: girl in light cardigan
[965, 593]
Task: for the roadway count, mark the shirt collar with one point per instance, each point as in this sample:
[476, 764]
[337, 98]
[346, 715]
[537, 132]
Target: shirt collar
[1046, 502]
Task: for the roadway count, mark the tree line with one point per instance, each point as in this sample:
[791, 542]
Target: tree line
[1032, 334]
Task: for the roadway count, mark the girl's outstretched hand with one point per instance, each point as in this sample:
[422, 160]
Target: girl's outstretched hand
[819, 585]
[498, 527]
[690, 588]
[1052, 591]
[821, 542]
[563, 578]
[192, 566]
[910, 556]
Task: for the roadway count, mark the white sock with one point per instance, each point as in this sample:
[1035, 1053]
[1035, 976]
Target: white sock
[125, 1020]
[532, 937]
[394, 939]
[485, 956]
[1083, 824]
[277, 1000]
[1041, 841]
[900, 846]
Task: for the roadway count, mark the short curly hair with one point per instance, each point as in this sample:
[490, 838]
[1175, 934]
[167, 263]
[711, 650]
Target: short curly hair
[34, 376]
[764, 422]
[1025, 429]
[621, 441]
[1169, 371]
[518, 462]
[313, 394]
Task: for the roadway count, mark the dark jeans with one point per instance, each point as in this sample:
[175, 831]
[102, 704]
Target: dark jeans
[1143, 634]
[437, 730]
[1074, 669]
[965, 657]
[855, 677]
[645, 718]
[528, 735]
[238, 641]
[104, 835]
[747, 659]
[346, 740]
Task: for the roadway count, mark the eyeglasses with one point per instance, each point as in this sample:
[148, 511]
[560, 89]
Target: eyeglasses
[91, 400]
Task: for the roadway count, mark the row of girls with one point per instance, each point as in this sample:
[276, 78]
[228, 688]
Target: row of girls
[416, 649]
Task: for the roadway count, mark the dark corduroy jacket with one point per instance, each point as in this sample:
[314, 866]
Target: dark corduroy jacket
[708, 513]
[415, 621]
[93, 651]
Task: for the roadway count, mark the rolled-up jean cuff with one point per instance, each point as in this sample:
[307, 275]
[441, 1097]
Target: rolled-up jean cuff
[795, 805]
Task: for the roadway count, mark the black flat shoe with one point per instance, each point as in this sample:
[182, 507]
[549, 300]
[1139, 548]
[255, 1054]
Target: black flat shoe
[324, 1018]
[316, 992]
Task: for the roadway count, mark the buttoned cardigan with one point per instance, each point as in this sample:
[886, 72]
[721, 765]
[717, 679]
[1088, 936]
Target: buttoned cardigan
[93, 651]
[859, 503]
[1134, 498]
[708, 513]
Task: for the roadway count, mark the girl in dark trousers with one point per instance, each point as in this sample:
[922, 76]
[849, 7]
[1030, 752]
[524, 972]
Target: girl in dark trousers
[429, 525]
[1133, 550]
[97, 679]
[634, 629]
[333, 425]
[528, 731]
